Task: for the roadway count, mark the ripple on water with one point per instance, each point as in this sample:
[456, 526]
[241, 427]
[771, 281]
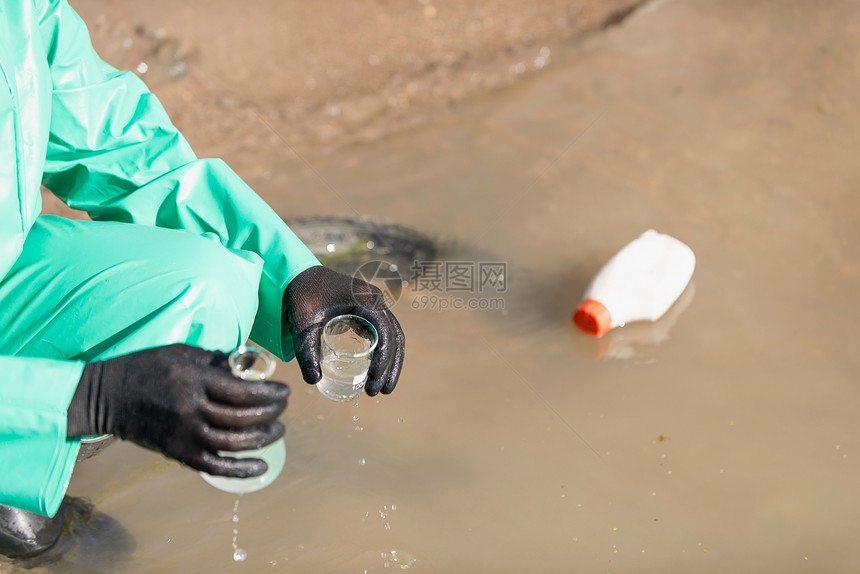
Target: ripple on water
[398, 559]
[388, 559]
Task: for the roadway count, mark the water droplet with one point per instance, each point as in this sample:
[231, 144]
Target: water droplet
[235, 518]
[239, 555]
[330, 247]
[355, 418]
[361, 461]
[388, 526]
[359, 428]
[518, 68]
[401, 420]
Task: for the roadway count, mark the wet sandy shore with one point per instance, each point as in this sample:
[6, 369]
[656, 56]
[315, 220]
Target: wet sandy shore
[328, 74]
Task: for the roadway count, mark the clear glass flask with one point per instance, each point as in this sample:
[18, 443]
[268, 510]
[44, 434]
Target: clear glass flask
[252, 363]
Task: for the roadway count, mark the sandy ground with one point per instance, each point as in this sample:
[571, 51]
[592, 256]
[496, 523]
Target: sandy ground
[238, 81]
[325, 75]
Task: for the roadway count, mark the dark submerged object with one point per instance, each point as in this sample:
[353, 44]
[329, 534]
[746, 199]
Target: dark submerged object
[345, 243]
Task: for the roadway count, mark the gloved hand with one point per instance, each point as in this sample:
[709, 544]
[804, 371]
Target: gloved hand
[183, 402]
[318, 294]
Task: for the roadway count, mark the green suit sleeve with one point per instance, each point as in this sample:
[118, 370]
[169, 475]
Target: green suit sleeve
[114, 153]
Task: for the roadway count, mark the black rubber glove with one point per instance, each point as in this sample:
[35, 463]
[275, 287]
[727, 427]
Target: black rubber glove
[183, 402]
[318, 294]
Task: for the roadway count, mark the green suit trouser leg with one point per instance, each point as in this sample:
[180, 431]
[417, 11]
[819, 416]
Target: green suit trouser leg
[87, 290]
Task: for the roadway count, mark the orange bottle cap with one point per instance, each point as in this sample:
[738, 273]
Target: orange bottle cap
[592, 318]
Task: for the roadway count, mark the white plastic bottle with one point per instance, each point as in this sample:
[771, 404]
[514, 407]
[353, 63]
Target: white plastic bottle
[639, 283]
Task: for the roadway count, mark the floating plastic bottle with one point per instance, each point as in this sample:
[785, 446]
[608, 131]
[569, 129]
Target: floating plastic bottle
[639, 283]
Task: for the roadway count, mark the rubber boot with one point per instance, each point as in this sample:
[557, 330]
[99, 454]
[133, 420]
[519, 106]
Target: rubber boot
[26, 534]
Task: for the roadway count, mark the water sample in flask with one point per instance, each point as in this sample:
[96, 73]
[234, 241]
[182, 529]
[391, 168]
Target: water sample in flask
[252, 363]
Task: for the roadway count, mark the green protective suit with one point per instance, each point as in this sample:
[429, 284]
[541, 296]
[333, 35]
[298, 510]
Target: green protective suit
[180, 249]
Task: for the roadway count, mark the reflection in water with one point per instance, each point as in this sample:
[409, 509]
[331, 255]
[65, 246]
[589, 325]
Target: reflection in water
[627, 342]
[91, 542]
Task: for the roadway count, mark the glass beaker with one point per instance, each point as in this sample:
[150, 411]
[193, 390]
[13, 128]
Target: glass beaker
[348, 342]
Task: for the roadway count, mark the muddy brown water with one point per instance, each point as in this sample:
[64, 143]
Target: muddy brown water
[723, 438]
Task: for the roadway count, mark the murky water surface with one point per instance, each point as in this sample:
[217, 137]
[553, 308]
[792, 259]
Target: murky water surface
[723, 438]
